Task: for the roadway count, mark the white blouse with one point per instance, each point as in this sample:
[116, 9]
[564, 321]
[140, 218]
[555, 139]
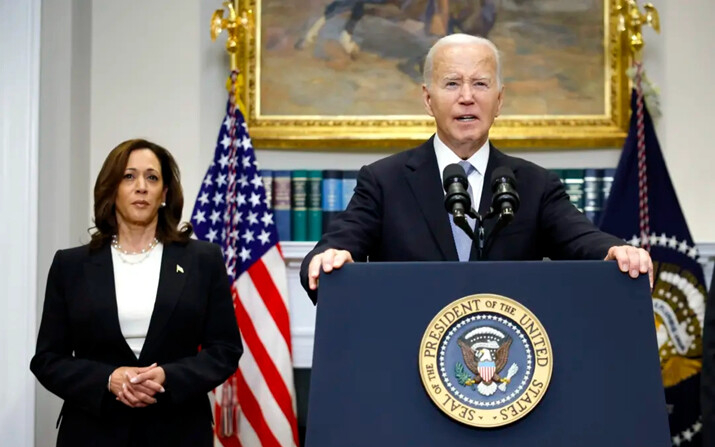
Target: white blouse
[136, 281]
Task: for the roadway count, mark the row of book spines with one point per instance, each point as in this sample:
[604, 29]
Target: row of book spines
[588, 189]
[305, 201]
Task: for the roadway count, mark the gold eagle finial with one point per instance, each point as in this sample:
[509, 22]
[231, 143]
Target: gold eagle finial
[631, 20]
[236, 26]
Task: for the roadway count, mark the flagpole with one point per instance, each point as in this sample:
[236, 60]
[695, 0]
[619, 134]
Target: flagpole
[236, 25]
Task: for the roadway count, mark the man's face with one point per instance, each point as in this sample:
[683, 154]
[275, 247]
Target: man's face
[463, 96]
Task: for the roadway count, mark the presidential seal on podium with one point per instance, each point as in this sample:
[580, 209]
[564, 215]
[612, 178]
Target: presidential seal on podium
[485, 360]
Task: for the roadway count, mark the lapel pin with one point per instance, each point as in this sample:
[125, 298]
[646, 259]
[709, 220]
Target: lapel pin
[179, 269]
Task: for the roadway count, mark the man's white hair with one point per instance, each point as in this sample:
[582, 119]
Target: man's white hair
[459, 39]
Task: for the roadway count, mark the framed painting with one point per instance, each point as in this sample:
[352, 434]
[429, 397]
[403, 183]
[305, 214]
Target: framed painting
[346, 74]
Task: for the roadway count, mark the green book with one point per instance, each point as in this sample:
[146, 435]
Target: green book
[315, 205]
[573, 182]
[299, 205]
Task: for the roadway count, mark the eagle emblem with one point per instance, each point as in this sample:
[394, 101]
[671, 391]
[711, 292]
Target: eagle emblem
[486, 352]
[474, 349]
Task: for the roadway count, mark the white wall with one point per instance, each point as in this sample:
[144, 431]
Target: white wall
[682, 60]
[145, 69]
[116, 70]
[65, 182]
[19, 104]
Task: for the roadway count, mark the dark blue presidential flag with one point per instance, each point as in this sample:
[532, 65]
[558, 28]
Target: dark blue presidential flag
[643, 209]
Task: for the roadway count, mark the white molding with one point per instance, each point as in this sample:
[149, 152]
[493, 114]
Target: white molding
[303, 312]
[19, 112]
[293, 252]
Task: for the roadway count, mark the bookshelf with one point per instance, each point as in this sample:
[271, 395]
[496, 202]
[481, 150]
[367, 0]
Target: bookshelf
[302, 311]
[306, 200]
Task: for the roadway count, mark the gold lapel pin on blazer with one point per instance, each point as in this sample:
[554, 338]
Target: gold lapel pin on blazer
[179, 269]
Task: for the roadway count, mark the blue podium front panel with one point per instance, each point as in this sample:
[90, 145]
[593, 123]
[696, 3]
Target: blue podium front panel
[605, 388]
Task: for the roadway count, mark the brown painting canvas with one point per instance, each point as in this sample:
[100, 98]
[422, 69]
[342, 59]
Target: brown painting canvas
[336, 67]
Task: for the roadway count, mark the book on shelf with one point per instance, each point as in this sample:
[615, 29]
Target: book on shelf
[299, 205]
[573, 181]
[315, 205]
[332, 195]
[281, 203]
[588, 189]
[593, 194]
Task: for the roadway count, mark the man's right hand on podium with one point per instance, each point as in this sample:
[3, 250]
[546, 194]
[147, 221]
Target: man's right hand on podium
[329, 260]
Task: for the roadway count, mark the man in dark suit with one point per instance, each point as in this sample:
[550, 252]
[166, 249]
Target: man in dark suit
[397, 212]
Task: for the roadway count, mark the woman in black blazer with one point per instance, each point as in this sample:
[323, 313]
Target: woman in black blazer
[138, 326]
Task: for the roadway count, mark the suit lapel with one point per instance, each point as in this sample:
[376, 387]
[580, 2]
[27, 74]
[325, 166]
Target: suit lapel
[171, 283]
[423, 176]
[99, 274]
[495, 160]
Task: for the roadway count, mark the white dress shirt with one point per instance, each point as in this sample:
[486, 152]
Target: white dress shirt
[445, 156]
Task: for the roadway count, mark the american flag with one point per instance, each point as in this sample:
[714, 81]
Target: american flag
[256, 406]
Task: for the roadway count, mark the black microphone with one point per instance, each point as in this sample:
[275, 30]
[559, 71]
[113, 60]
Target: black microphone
[505, 199]
[457, 200]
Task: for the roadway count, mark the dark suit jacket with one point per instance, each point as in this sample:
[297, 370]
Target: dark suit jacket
[80, 343]
[707, 395]
[397, 213]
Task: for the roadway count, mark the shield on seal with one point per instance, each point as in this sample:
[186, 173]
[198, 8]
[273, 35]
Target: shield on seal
[486, 370]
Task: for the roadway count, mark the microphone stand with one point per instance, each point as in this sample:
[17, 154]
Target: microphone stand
[479, 238]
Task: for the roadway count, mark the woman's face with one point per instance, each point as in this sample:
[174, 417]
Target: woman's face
[141, 190]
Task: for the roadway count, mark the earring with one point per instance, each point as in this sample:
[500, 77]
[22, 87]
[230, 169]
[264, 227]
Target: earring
[163, 204]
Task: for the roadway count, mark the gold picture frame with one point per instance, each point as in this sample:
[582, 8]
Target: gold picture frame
[270, 128]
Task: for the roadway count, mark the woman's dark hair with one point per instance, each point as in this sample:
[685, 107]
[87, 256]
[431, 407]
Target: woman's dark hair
[105, 193]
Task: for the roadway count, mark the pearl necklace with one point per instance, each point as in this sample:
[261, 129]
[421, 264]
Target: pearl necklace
[145, 252]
